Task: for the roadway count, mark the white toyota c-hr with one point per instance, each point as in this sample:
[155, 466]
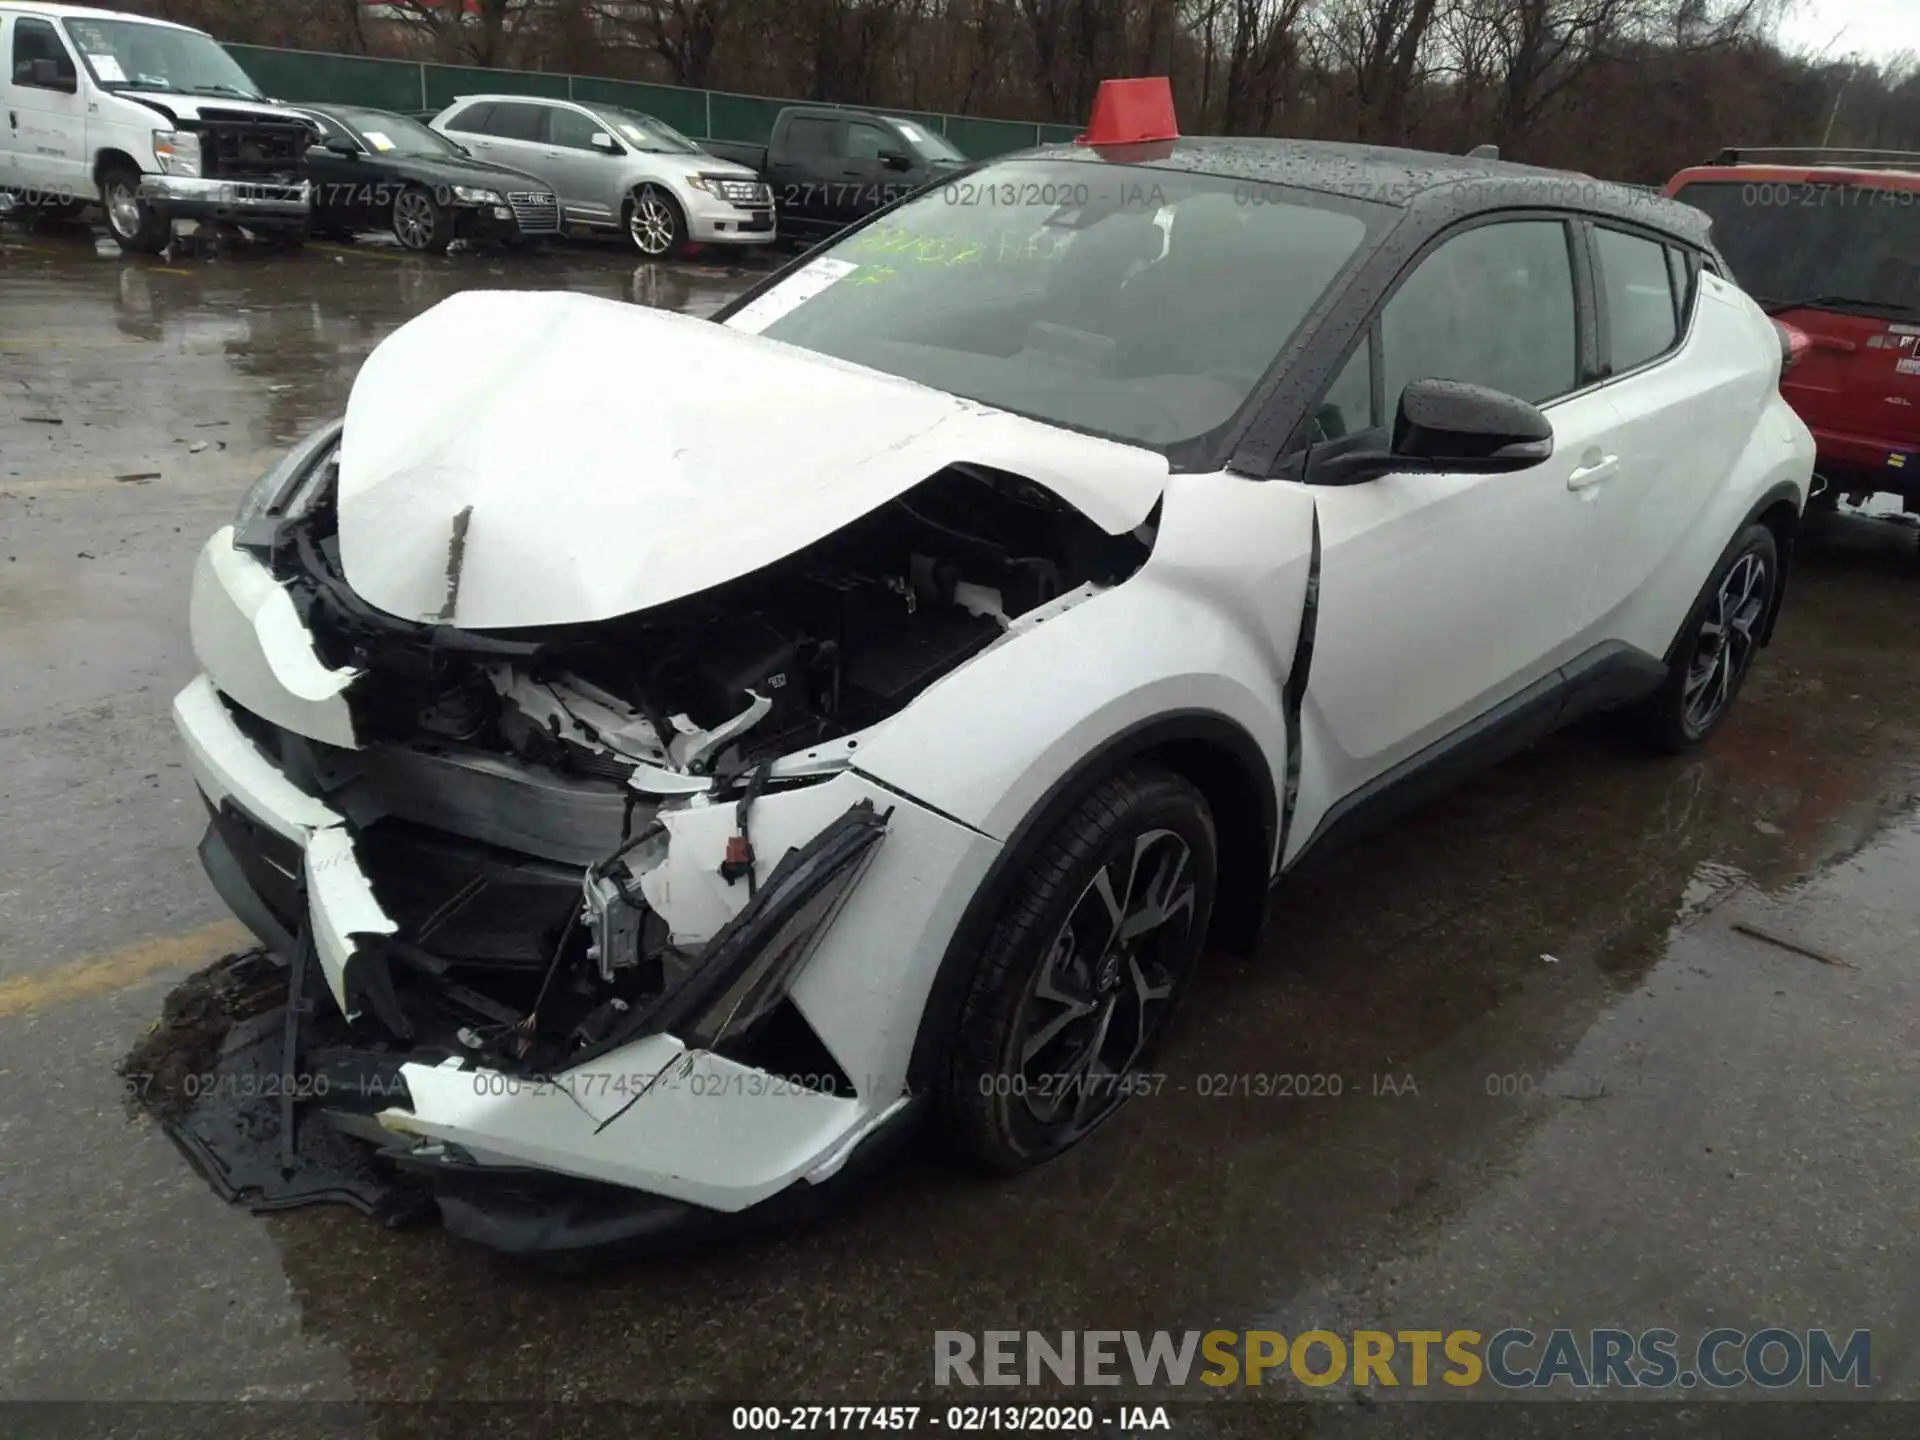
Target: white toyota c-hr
[675, 756]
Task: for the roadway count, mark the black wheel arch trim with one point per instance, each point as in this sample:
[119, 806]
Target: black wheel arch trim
[1183, 741]
[1786, 539]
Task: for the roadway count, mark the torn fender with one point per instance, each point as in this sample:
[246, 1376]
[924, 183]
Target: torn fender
[248, 635]
[608, 458]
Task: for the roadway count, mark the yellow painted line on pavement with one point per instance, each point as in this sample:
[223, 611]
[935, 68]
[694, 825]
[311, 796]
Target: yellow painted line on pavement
[163, 270]
[113, 970]
[354, 251]
[68, 482]
[64, 342]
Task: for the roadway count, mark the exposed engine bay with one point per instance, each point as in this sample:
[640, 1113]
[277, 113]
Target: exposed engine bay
[507, 790]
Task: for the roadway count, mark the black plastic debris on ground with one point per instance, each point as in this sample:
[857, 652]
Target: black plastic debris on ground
[211, 1074]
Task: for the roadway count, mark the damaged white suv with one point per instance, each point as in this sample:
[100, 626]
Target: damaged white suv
[666, 791]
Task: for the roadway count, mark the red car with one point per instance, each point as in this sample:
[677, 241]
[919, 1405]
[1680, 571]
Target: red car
[1829, 242]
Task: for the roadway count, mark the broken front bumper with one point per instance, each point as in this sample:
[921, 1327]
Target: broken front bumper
[657, 1114]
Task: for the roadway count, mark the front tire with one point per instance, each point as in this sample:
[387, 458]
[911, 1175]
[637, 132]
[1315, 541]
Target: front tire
[420, 223]
[1087, 958]
[1716, 646]
[654, 223]
[137, 228]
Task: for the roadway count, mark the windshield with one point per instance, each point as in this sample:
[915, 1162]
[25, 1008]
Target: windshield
[386, 134]
[643, 132]
[1851, 246]
[126, 53]
[1138, 304]
[930, 145]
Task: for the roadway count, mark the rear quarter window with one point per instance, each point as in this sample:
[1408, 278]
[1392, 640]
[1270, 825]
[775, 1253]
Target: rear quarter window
[1642, 321]
[471, 118]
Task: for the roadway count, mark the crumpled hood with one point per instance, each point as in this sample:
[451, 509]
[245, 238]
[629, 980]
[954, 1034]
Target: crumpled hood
[538, 458]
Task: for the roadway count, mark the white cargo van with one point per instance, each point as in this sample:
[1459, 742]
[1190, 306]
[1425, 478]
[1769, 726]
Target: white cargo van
[152, 121]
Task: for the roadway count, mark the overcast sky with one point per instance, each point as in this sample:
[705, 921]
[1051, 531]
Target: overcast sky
[1875, 29]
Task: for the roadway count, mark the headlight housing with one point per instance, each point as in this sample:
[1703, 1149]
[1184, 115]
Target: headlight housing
[474, 195]
[177, 152]
[287, 491]
[734, 189]
[744, 970]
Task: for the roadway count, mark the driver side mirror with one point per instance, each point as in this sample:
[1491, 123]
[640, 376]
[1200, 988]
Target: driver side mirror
[1456, 426]
[896, 159]
[603, 142]
[339, 145]
[1449, 427]
[45, 74]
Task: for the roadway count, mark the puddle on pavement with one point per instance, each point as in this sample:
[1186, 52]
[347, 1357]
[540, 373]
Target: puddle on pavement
[267, 340]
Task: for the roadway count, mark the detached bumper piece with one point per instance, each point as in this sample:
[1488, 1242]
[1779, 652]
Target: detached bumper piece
[563, 1222]
[289, 1112]
[227, 1112]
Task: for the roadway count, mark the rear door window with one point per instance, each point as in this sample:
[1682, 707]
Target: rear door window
[1637, 283]
[513, 120]
[813, 137]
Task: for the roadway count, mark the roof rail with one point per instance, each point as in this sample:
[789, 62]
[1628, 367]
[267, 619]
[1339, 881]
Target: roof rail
[1852, 159]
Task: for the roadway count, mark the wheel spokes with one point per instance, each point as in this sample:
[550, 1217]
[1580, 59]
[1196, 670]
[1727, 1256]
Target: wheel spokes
[1104, 983]
[1727, 640]
[1068, 992]
[1165, 897]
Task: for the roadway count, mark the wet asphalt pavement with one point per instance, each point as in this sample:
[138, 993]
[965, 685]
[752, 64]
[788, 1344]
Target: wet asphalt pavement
[1602, 1104]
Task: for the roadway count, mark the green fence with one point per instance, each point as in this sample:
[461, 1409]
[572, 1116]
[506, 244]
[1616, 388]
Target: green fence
[704, 114]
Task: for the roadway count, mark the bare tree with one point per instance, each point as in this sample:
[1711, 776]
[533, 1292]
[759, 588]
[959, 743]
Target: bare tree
[1629, 88]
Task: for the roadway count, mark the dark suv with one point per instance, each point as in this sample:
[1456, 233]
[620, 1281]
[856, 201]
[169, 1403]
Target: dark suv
[1829, 241]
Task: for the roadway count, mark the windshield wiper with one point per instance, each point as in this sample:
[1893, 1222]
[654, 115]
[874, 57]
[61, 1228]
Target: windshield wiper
[1828, 302]
[224, 90]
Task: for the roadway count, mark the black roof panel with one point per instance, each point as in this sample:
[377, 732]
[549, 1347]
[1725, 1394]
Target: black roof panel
[1387, 175]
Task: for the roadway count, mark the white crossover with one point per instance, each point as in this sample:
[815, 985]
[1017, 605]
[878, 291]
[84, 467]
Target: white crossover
[667, 793]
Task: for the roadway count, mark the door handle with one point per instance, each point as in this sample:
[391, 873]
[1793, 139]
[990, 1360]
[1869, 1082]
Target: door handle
[1598, 473]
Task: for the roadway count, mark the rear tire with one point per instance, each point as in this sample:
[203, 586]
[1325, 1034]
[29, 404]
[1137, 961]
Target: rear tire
[1088, 956]
[132, 221]
[1716, 647]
